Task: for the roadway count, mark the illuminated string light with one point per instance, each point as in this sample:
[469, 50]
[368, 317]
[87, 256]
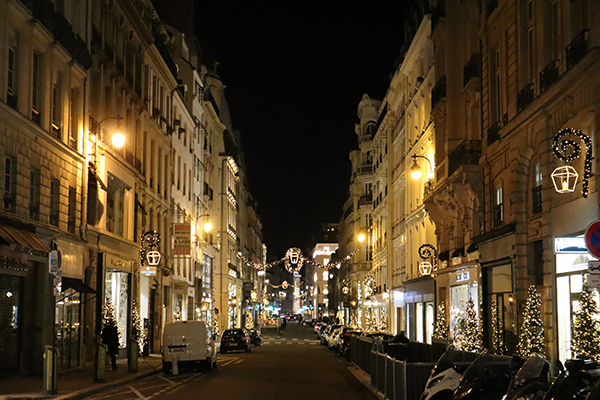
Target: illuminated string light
[560, 150]
[294, 260]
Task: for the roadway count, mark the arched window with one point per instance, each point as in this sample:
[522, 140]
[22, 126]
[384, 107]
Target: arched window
[536, 192]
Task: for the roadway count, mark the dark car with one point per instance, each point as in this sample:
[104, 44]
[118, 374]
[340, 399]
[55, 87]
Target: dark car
[235, 339]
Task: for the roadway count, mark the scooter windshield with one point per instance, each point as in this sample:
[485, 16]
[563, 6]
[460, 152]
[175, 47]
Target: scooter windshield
[445, 362]
[476, 370]
[531, 370]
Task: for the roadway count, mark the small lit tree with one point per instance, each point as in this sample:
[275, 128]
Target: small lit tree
[441, 323]
[585, 335]
[137, 329]
[497, 340]
[531, 340]
[471, 338]
[108, 314]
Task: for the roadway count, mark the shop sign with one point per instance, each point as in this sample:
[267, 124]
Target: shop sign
[148, 271]
[182, 234]
[573, 245]
[54, 261]
[463, 276]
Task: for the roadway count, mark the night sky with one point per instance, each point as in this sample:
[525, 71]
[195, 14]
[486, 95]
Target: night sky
[295, 72]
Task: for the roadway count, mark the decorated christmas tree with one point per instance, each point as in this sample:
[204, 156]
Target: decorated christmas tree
[383, 320]
[497, 340]
[531, 340]
[441, 324]
[585, 337]
[108, 314]
[137, 330]
[370, 322]
[249, 320]
[177, 314]
[470, 338]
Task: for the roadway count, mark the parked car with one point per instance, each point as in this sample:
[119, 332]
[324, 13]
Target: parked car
[344, 338]
[235, 339]
[333, 337]
[191, 343]
[319, 325]
[327, 332]
[378, 335]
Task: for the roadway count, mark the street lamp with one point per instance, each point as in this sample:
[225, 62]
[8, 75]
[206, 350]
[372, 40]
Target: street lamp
[361, 237]
[96, 133]
[415, 169]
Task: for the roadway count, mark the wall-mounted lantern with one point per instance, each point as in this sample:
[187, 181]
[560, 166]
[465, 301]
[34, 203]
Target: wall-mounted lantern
[565, 179]
[425, 268]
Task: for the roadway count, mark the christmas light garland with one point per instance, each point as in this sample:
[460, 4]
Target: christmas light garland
[427, 251]
[294, 261]
[149, 241]
[560, 151]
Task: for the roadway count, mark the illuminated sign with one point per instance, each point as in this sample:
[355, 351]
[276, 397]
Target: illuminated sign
[570, 245]
[463, 276]
[148, 271]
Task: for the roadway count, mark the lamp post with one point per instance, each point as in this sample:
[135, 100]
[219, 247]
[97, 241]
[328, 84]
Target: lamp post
[415, 169]
[96, 133]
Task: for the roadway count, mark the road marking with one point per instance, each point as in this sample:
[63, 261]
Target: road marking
[137, 392]
[168, 380]
[226, 363]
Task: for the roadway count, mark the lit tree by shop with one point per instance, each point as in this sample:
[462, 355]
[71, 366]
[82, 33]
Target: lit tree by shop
[531, 340]
[383, 320]
[177, 314]
[441, 323]
[497, 341]
[137, 330]
[370, 322]
[108, 314]
[249, 320]
[585, 335]
[470, 335]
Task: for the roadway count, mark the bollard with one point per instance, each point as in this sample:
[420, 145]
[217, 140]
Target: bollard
[101, 363]
[175, 367]
[49, 370]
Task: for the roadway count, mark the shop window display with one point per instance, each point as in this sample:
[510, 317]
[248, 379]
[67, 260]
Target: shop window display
[68, 308]
[459, 296]
[116, 290]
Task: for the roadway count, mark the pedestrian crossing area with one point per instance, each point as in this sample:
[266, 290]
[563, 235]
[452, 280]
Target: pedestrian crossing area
[282, 340]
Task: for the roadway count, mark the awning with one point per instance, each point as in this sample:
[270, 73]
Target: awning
[22, 238]
[76, 285]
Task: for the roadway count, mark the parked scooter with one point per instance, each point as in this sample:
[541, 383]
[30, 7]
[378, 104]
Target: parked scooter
[480, 383]
[577, 379]
[531, 382]
[444, 377]
[255, 338]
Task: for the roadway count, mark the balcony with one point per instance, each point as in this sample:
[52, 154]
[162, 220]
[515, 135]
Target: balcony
[438, 92]
[364, 169]
[525, 97]
[365, 200]
[493, 133]
[471, 70]
[577, 49]
[549, 75]
[466, 153]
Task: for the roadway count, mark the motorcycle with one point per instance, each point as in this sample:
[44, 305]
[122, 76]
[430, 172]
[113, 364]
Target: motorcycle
[479, 383]
[531, 381]
[255, 338]
[576, 380]
[444, 377]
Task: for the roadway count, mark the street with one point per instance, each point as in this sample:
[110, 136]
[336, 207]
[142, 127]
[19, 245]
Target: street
[293, 366]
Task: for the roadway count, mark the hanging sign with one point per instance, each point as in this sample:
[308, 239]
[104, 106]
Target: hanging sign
[182, 234]
[54, 261]
[593, 279]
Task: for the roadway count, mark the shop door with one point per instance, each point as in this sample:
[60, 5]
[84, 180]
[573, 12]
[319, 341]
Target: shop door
[68, 310]
[10, 327]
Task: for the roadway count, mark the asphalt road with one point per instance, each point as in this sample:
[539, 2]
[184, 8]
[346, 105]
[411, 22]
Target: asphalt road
[293, 366]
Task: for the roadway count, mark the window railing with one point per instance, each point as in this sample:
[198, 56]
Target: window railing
[549, 75]
[471, 69]
[536, 196]
[525, 97]
[577, 49]
[498, 215]
[468, 152]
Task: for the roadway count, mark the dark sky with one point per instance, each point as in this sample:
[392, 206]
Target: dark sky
[295, 72]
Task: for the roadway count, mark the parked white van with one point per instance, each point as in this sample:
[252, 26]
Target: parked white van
[191, 342]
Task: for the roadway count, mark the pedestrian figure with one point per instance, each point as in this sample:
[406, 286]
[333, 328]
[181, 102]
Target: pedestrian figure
[110, 337]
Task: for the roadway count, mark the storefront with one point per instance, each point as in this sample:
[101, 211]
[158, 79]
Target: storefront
[117, 289]
[419, 299]
[572, 260]
[501, 322]
[460, 284]
[11, 300]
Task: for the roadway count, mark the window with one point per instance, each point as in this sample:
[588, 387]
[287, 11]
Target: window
[555, 30]
[35, 88]
[184, 177]
[531, 70]
[536, 192]
[115, 205]
[10, 178]
[55, 126]
[72, 209]
[178, 172]
[11, 83]
[497, 87]
[498, 207]
[34, 194]
[73, 119]
[54, 201]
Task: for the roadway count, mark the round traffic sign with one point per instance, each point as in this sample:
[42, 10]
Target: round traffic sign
[592, 239]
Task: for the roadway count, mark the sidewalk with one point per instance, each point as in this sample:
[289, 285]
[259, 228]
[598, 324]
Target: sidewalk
[79, 383]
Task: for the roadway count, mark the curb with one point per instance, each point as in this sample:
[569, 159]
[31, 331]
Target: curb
[80, 394]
